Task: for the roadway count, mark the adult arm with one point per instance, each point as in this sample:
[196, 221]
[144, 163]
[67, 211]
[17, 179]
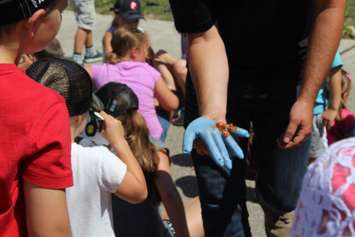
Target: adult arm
[209, 69]
[170, 196]
[323, 42]
[46, 212]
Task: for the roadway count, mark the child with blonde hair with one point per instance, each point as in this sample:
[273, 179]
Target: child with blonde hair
[127, 65]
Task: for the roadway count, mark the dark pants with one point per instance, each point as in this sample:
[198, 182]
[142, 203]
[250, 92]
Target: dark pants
[264, 98]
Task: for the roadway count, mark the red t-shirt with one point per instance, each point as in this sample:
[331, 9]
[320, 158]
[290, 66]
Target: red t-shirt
[34, 144]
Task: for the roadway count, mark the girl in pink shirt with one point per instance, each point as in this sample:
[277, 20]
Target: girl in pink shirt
[127, 65]
[344, 124]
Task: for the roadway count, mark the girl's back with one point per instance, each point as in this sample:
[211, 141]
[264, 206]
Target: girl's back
[141, 78]
[97, 173]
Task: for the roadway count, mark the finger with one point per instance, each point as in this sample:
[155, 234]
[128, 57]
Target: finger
[215, 154]
[233, 147]
[290, 132]
[189, 137]
[240, 132]
[221, 147]
[193, 130]
[300, 136]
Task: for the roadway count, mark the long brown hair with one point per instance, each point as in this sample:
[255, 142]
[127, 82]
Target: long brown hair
[137, 136]
[123, 41]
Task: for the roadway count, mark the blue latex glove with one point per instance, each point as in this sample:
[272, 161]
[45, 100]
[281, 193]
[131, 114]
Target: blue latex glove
[221, 149]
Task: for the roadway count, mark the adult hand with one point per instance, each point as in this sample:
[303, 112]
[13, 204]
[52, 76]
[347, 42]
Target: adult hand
[329, 117]
[220, 144]
[300, 125]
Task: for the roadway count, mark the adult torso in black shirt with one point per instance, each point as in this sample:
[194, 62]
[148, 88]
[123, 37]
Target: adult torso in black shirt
[257, 33]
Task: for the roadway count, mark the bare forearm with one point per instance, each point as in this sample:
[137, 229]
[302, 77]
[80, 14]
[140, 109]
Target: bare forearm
[175, 208]
[335, 90]
[323, 43]
[209, 68]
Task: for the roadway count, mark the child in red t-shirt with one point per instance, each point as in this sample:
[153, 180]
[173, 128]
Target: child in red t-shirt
[35, 163]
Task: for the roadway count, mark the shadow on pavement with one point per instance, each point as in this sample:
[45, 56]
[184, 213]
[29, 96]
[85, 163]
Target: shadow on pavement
[183, 160]
[188, 185]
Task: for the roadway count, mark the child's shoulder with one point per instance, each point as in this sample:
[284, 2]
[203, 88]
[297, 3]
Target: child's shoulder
[19, 89]
[148, 68]
[90, 152]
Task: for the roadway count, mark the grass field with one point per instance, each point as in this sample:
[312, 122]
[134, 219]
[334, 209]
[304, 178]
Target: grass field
[350, 13]
[160, 9]
[152, 9]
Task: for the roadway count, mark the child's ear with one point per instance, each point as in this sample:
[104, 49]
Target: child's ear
[33, 22]
[134, 53]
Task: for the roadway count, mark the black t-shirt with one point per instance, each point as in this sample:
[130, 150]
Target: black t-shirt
[257, 33]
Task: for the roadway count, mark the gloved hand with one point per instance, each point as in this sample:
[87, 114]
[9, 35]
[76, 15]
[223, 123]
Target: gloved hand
[220, 142]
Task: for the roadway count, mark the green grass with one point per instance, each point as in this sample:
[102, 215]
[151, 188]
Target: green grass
[160, 9]
[350, 13]
[152, 9]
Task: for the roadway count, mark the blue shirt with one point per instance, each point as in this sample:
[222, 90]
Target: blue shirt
[321, 100]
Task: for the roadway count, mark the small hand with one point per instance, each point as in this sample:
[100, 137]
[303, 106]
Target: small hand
[218, 140]
[329, 117]
[300, 125]
[113, 129]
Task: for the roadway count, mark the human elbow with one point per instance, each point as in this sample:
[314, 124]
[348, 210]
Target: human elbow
[173, 104]
[140, 196]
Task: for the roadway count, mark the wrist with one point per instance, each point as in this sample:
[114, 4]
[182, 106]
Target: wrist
[218, 116]
[332, 108]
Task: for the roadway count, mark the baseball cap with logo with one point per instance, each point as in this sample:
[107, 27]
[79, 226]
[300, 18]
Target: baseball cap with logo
[118, 99]
[130, 10]
[12, 11]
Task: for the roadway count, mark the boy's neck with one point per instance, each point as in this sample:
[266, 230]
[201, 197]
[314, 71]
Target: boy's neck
[9, 54]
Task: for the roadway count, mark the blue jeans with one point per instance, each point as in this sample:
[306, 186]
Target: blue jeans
[164, 122]
[262, 98]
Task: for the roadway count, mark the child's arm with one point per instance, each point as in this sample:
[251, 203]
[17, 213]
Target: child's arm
[334, 98]
[46, 211]
[167, 99]
[170, 196]
[88, 68]
[133, 188]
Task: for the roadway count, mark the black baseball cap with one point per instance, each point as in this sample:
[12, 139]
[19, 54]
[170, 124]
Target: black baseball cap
[66, 77]
[130, 10]
[12, 11]
[118, 99]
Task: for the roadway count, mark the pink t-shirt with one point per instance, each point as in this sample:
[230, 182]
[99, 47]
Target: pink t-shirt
[341, 129]
[141, 78]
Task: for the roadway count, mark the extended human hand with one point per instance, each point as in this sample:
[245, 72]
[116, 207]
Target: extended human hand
[219, 140]
[300, 125]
